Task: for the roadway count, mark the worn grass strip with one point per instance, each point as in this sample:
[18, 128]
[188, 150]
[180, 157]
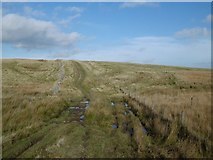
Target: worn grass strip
[14, 150]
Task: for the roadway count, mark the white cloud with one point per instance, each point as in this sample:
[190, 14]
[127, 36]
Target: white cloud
[74, 12]
[75, 9]
[154, 50]
[138, 4]
[31, 12]
[193, 33]
[208, 18]
[68, 20]
[69, 9]
[31, 33]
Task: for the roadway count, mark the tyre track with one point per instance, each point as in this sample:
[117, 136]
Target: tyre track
[80, 75]
[126, 126]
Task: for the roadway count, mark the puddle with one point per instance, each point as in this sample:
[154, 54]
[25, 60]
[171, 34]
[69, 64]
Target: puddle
[126, 104]
[74, 108]
[131, 132]
[87, 104]
[112, 103]
[114, 126]
[144, 130]
[77, 112]
[81, 117]
[125, 113]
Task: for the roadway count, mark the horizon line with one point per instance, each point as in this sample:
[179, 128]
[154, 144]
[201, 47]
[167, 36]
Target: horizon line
[210, 68]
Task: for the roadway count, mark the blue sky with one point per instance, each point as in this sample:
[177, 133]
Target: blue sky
[151, 33]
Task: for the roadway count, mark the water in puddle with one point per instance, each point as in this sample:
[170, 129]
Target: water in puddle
[74, 108]
[87, 105]
[125, 113]
[114, 126]
[144, 130]
[81, 117]
[131, 132]
[125, 104]
[86, 102]
[112, 103]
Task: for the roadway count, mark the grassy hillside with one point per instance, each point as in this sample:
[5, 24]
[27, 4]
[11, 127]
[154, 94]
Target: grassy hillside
[102, 109]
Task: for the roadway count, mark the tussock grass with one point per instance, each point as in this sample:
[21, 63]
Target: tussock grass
[173, 104]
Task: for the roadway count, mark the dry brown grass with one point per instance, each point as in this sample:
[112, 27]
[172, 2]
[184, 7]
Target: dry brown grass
[185, 104]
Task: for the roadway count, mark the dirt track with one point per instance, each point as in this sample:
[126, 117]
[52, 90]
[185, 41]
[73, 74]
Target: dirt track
[56, 87]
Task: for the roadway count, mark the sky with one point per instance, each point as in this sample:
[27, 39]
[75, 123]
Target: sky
[177, 34]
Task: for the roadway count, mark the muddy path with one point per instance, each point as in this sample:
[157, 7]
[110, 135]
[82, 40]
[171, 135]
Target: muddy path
[79, 77]
[61, 74]
[74, 113]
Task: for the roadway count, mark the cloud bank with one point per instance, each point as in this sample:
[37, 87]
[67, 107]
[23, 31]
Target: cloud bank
[31, 33]
[154, 50]
[138, 4]
[32, 12]
[193, 33]
[208, 18]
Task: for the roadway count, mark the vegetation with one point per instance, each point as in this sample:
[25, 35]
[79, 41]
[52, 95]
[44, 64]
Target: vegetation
[126, 110]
